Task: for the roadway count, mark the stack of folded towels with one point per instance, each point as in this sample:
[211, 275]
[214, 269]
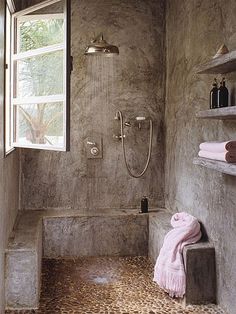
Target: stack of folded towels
[223, 151]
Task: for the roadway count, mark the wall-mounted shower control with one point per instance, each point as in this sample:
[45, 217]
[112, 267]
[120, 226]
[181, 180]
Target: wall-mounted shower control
[94, 151]
[118, 137]
[128, 124]
[94, 147]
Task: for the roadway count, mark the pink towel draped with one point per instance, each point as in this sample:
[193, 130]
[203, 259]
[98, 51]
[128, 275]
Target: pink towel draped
[218, 147]
[229, 157]
[169, 272]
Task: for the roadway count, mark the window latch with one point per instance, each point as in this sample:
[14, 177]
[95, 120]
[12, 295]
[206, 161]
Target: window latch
[71, 64]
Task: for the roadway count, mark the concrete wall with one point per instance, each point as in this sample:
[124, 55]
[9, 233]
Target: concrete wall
[195, 30]
[8, 174]
[71, 180]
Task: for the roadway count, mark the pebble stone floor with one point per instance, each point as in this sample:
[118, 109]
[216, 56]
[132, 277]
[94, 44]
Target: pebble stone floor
[118, 285]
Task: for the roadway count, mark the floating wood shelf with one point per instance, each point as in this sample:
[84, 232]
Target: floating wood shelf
[220, 65]
[220, 166]
[220, 113]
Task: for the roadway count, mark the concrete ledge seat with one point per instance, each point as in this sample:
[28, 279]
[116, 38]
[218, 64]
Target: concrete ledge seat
[199, 259]
[23, 262]
[73, 233]
[56, 233]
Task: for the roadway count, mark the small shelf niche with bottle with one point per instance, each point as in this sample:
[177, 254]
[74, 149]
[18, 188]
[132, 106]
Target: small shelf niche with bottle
[219, 102]
[223, 62]
[219, 95]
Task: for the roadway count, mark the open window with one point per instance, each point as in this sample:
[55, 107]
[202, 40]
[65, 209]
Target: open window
[9, 10]
[40, 76]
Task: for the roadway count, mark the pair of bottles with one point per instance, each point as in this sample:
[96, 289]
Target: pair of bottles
[219, 97]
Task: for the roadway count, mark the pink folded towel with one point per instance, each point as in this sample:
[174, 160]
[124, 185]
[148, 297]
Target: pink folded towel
[229, 157]
[218, 147]
[169, 271]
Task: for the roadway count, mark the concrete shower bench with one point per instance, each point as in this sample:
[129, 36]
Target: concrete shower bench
[73, 233]
[199, 259]
[70, 233]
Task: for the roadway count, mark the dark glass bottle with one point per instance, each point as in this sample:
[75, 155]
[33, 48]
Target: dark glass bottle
[214, 95]
[144, 205]
[223, 95]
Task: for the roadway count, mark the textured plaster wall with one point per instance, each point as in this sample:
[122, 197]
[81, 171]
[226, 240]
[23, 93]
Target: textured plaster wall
[8, 175]
[135, 85]
[195, 30]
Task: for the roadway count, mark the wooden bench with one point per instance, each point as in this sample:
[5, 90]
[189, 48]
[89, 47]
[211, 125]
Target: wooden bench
[199, 260]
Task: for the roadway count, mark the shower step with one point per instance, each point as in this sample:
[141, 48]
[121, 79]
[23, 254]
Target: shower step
[199, 259]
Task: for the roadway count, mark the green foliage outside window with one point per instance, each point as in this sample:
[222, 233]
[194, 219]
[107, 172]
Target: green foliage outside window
[41, 75]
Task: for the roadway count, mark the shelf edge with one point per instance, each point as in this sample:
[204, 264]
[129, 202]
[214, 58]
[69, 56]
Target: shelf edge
[219, 113]
[220, 166]
[221, 65]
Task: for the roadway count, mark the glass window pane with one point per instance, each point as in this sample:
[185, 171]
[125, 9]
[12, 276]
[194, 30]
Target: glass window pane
[39, 88]
[41, 28]
[40, 33]
[39, 124]
[40, 75]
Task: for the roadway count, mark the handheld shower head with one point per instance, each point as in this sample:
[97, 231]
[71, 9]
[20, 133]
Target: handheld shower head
[140, 118]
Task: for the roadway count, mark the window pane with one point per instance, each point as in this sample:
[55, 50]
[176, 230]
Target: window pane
[39, 124]
[40, 33]
[40, 75]
[41, 28]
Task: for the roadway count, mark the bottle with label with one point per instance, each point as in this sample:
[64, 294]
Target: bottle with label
[214, 95]
[223, 94]
[144, 205]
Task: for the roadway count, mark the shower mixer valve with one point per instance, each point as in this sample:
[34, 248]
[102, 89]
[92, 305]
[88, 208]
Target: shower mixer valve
[94, 147]
[94, 151]
[127, 123]
[118, 137]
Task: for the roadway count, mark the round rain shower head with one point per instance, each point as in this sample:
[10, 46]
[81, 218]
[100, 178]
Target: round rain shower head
[100, 47]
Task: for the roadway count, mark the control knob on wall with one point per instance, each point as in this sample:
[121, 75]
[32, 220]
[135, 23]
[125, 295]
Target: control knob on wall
[94, 151]
[94, 147]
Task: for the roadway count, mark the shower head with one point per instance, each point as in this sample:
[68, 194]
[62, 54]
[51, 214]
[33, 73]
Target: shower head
[99, 46]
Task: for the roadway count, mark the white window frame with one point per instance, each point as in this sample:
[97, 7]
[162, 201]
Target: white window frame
[64, 98]
[8, 148]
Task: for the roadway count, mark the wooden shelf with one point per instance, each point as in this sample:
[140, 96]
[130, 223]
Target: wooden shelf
[220, 113]
[220, 166]
[221, 65]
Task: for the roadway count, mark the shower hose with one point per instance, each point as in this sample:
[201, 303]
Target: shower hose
[123, 147]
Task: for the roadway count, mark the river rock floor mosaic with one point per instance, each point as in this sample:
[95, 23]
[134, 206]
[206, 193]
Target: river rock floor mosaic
[107, 286]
